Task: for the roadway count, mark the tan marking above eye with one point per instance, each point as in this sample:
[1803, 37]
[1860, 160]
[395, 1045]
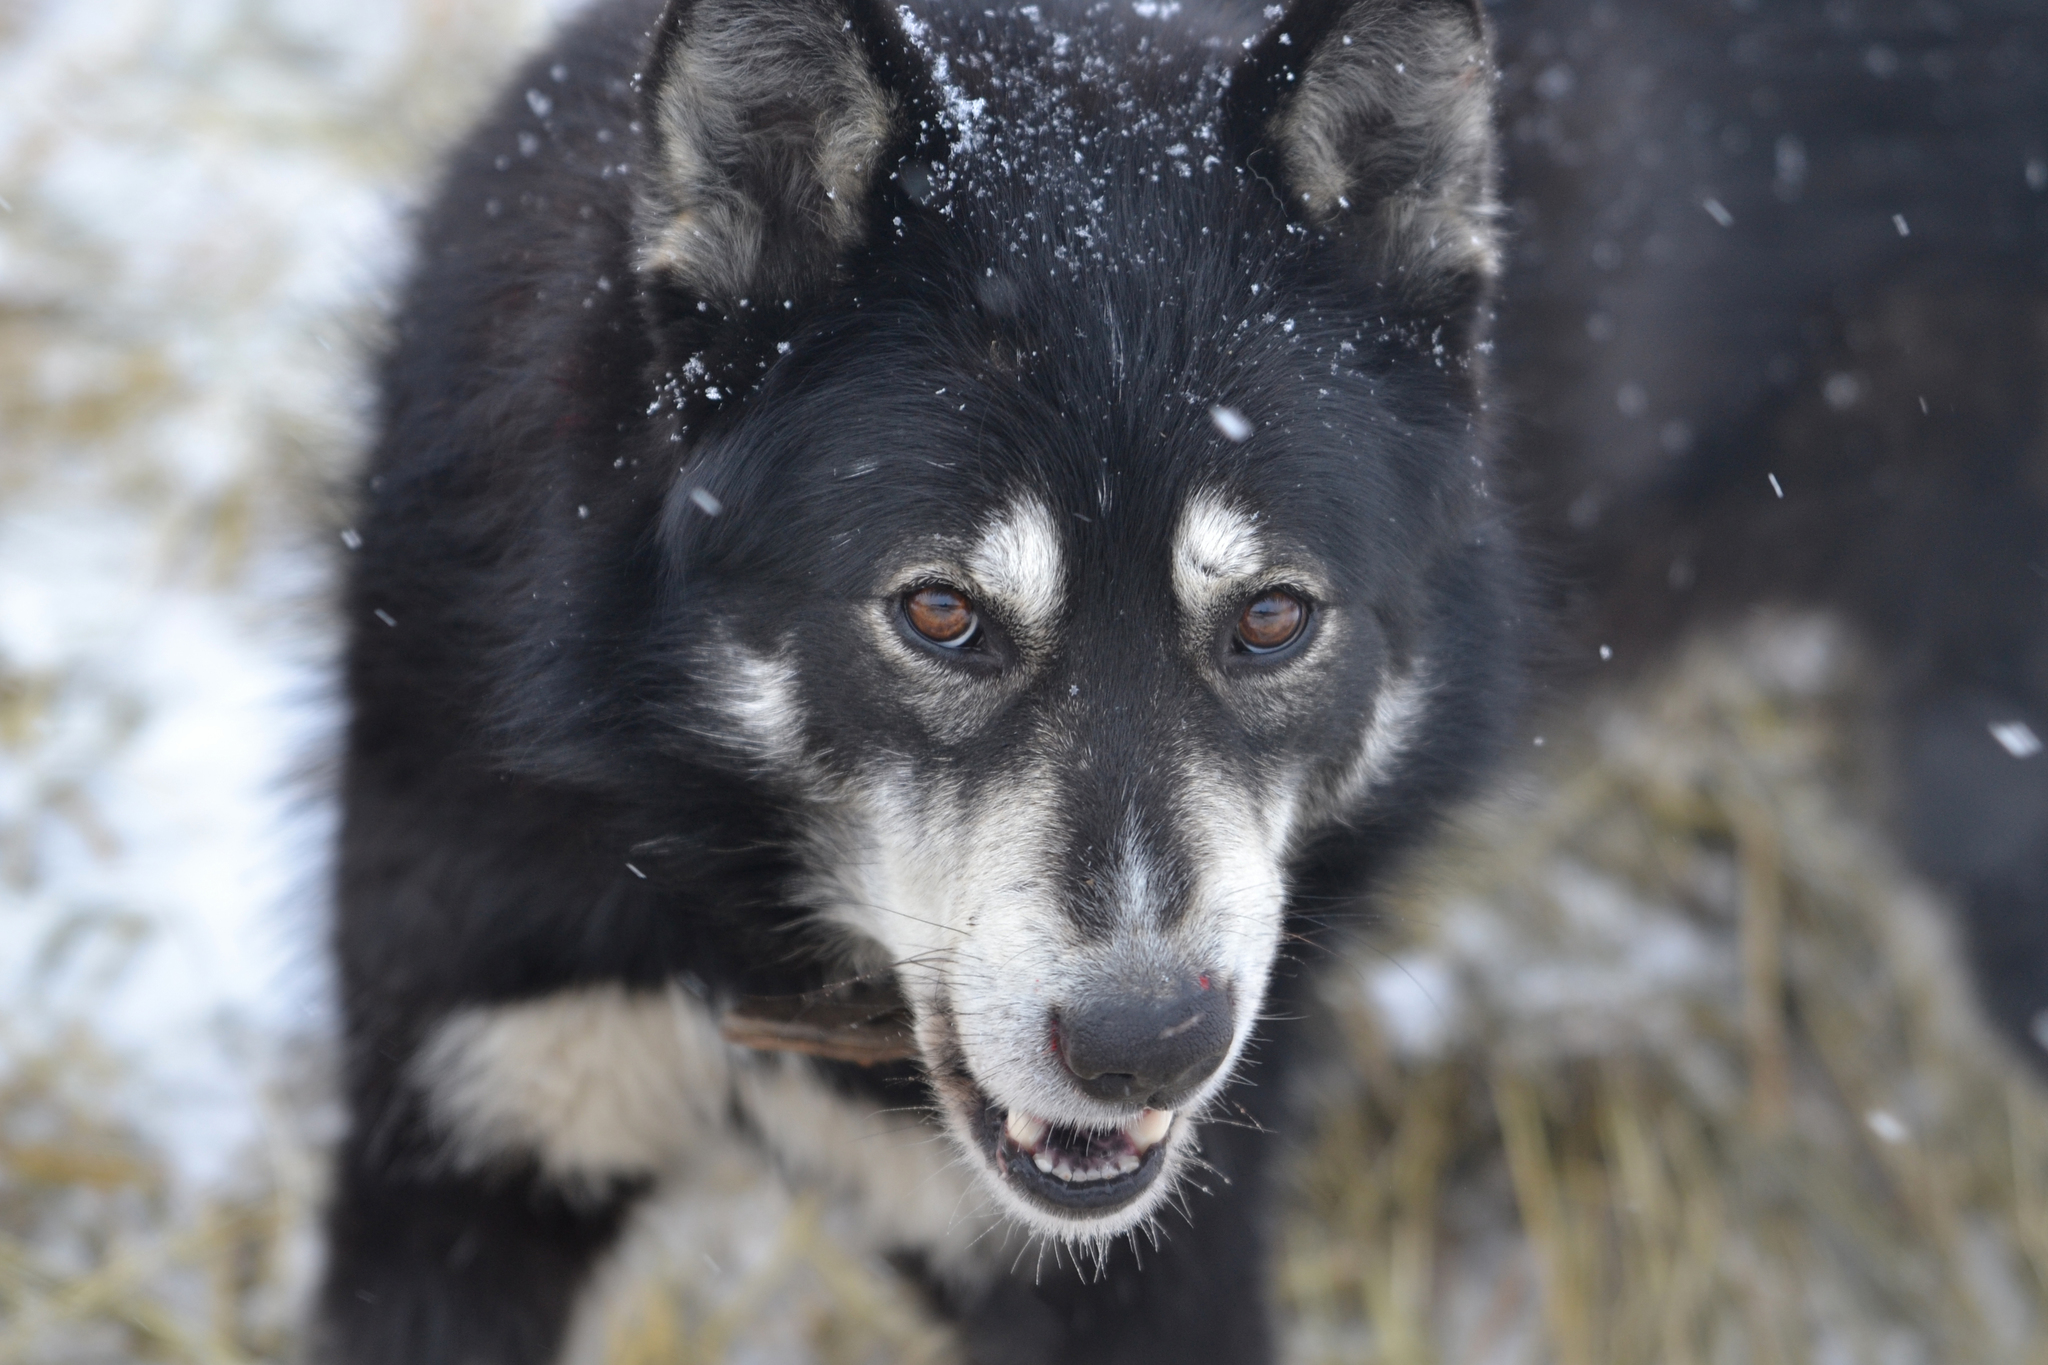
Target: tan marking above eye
[941, 615]
[1271, 621]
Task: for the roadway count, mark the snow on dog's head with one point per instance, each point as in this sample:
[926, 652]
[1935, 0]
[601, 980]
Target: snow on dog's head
[1069, 691]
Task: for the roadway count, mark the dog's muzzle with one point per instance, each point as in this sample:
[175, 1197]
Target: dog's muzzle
[1151, 1043]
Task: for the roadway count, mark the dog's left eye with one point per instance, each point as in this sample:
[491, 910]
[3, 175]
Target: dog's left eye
[942, 616]
[1271, 621]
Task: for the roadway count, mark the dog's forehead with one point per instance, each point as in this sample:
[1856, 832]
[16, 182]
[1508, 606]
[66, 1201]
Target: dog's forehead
[1062, 473]
[1099, 357]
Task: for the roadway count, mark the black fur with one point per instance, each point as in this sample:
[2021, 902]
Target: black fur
[539, 790]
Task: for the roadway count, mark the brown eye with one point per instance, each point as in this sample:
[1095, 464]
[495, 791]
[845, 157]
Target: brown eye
[1271, 622]
[941, 615]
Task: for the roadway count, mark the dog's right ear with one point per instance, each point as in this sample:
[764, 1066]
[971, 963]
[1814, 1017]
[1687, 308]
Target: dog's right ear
[769, 126]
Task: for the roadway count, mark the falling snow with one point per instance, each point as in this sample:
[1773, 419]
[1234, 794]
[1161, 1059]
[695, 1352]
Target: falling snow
[1232, 423]
[2016, 737]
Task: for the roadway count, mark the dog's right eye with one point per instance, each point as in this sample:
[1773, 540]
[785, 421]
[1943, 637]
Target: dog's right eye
[1271, 622]
[941, 615]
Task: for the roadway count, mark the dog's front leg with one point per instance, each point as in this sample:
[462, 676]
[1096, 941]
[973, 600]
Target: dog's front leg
[509, 1094]
[433, 1268]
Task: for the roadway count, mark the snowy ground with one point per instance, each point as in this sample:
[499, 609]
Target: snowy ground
[202, 204]
[204, 201]
[1565, 1127]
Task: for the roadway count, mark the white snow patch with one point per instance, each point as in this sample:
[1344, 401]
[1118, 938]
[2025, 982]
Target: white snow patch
[172, 899]
[207, 204]
[966, 114]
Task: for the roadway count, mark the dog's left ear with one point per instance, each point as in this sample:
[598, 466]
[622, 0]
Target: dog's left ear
[770, 125]
[1374, 121]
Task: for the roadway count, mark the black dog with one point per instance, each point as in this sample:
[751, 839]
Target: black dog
[996, 510]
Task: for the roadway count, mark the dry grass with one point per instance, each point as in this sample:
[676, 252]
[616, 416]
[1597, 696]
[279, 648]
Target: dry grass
[1812, 1152]
[806, 1299]
[101, 1259]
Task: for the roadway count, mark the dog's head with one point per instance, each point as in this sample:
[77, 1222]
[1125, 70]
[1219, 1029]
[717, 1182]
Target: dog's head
[1082, 514]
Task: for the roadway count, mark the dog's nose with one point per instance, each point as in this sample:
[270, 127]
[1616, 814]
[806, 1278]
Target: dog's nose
[1149, 1045]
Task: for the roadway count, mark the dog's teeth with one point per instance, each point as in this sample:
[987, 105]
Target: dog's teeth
[1148, 1128]
[1027, 1132]
[1032, 1137]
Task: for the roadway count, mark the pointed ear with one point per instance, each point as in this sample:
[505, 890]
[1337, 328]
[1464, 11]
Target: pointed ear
[770, 125]
[1374, 118]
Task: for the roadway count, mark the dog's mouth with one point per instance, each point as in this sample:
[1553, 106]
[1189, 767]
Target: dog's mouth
[1065, 1170]
[1076, 1169]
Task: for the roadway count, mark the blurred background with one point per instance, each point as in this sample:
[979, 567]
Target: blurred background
[1662, 1057]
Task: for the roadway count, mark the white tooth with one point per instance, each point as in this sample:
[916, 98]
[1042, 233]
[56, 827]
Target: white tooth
[1045, 1161]
[1148, 1128]
[1026, 1131]
[1126, 1162]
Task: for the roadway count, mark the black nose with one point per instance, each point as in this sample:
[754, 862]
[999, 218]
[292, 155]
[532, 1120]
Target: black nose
[1148, 1042]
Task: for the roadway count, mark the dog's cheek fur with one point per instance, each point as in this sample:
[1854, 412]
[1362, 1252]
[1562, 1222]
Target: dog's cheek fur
[1399, 715]
[915, 863]
[755, 715]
